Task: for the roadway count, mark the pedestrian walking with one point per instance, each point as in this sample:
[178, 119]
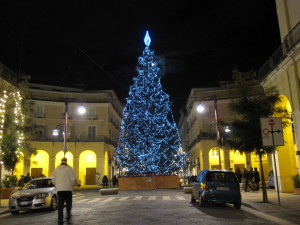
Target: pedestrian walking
[115, 181]
[256, 179]
[105, 181]
[239, 174]
[64, 180]
[27, 178]
[246, 176]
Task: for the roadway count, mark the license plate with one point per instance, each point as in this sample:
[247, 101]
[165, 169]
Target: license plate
[25, 203]
[222, 188]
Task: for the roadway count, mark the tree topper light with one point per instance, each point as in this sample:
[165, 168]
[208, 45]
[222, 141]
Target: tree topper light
[147, 39]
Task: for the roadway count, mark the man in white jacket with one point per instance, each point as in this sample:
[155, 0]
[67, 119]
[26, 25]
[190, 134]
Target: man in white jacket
[64, 180]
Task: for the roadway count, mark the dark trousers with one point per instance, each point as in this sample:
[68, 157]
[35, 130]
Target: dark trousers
[62, 197]
[256, 186]
[248, 184]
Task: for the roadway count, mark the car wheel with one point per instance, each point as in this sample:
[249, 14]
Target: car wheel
[192, 198]
[202, 203]
[14, 212]
[53, 205]
[237, 205]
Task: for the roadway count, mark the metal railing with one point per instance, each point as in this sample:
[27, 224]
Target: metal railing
[40, 115]
[73, 138]
[200, 137]
[290, 41]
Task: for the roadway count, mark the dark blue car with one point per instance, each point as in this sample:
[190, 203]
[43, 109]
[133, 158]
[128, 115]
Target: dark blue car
[217, 186]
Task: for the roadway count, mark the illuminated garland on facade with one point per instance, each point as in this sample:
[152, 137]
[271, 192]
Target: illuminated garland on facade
[2, 112]
[149, 142]
[9, 98]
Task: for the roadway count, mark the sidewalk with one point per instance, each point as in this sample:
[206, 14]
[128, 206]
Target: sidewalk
[285, 211]
[3, 205]
[255, 200]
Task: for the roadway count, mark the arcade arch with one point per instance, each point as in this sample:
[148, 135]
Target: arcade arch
[60, 155]
[39, 164]
[87, 167]
[214, 158]
[19, 168]
[285, 157]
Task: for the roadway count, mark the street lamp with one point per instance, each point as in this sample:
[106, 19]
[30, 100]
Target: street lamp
[200, 108]
[55, 132]
[1, 163]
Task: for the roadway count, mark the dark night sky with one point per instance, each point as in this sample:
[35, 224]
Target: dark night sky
[95, 44]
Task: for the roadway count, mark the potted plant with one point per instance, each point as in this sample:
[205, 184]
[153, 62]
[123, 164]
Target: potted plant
[296, 180]
[9, 183]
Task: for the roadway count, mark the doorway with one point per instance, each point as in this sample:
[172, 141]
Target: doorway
[36, 172]
[240, 166]
[90, 176]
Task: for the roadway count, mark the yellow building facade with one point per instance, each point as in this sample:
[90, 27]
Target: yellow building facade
[281, 70]
[91, 138]
[198, 132]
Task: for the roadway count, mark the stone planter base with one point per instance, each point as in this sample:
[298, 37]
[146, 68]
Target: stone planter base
[109, 191]
[297, 191]
[6, 192]
[187, 190]
[148, 182]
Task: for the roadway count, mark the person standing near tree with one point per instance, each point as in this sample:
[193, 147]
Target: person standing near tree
[256, 179]
[27, 178]
[115, 181]
[64, 180]
[105, 181]
[21, 181]
[246, 176]
[239, 174]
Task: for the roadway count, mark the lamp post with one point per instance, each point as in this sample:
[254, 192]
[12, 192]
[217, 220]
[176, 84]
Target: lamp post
[200, 109]
[66, 129]
[55, 132]
[1, 163]
[217, 130]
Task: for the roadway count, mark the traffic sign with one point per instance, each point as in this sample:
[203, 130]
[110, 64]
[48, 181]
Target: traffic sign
[271, 131]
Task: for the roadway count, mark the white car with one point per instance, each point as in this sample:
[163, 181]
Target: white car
[37, 194]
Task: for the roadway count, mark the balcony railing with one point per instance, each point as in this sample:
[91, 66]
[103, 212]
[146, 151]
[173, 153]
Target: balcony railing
[290, 41]
[92, 117]
[98, 138]
[202, 136]
[40, 115]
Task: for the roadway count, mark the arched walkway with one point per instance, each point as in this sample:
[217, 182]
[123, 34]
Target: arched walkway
[39, 164]
[19, 168]
[87, 167]
[285, 157]
[60, 155]
[215, 158]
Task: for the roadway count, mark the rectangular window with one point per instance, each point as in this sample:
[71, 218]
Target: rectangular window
[40, 111]
[91, 132]
[92, 114]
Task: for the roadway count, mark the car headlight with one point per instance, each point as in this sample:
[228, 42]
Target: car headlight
[12, 197]
[43, 195]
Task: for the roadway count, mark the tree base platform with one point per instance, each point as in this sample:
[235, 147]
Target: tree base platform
[148, 182]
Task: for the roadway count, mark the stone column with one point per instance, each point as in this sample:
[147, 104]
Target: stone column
[226, 158]
[296, 121]
[205, 159]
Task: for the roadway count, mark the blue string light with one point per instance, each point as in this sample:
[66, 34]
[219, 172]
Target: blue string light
[149, 140]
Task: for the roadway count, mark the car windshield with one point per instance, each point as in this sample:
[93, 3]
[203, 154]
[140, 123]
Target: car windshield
[221, 176]
[44, 183]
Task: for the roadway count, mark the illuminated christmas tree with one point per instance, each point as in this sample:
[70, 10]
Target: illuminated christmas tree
[149, 142]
